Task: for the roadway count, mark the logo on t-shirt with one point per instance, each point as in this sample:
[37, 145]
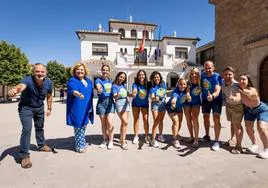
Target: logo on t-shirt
[206, 84]
[142, 93]
[107, 87]
[196, 91]
[161, 92]
[123, 92]
[183, 99]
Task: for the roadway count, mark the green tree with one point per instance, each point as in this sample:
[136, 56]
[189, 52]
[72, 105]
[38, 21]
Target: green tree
[57, 73]
[14, 65]
[68, 73]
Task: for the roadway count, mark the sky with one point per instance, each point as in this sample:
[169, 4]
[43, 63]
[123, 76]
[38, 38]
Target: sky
[45, 29]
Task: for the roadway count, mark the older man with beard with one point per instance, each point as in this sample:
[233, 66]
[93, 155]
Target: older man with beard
[34, 90]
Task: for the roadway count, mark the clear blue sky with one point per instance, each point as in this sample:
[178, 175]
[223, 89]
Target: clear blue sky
[45, 29]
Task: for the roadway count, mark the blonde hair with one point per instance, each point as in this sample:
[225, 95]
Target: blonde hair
[195, 70]
[78, 64]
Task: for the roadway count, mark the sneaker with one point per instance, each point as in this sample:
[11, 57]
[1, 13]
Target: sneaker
[176, 144]
[26, 162]
[155, 144]
[195, 144]
[110, 145]
[216, 146]
[253, 148]
[124, 146]
[103, 144]
[205, 138]
[135, 140]
[146, 140]
[45, 148]
[161, 138]
[263, 155]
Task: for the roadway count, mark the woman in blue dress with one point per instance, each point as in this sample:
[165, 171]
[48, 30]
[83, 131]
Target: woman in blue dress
[158, 105]
[192, 108]
[120, 94]
[105, 106]
[140, 94]
[79, 104]
[174, 109]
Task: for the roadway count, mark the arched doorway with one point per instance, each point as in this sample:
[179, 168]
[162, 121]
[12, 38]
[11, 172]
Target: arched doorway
[263, 84]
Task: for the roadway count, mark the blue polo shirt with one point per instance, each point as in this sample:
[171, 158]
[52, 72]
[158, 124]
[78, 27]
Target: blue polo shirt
[34, 96]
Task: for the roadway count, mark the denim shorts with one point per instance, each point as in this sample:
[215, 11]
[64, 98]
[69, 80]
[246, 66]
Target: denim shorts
[260, 113]
[159, 106]
[122, 105]
[105, 106]
[214, 105]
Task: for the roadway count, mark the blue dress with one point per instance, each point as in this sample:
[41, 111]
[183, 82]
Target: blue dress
[79, 111]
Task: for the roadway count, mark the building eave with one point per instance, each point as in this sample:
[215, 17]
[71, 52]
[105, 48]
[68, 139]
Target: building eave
[206, 46]
[95, 33]
[181, 38]
[132, 23]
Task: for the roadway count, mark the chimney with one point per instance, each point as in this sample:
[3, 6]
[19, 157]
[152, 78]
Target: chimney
[174, 34]
[100, 28]
[130, 18]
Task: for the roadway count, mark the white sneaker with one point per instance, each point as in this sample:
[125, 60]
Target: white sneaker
[155, 144]
[161, 138]
[216, 146]
[103, 144]
[110, 145]
[135, 140]
[253, 148]
[176, 144]
[263, 155]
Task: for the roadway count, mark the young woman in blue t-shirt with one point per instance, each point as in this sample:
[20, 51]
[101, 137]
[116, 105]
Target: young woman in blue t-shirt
[105, 106]
[158, 105]
[174, 109]
[140, 93]
[192, 108]
[120, 94]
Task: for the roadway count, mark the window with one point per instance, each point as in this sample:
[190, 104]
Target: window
[125, 50]
[122, 32]
[133, 33]
[181, 53]
[145, 34]
[100, 49]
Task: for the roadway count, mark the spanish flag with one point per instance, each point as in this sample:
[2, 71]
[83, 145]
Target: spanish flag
[141, 48]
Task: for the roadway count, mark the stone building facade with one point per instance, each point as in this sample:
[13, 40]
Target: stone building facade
[241, 39]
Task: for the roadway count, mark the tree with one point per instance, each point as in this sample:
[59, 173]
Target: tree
[57, 73]
[68, 73]
[14, 65]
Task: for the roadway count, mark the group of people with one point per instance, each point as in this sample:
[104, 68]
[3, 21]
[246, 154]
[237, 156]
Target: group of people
[205, 90]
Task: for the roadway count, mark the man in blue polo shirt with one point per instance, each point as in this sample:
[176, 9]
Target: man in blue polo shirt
[34, 90]
[211, 100]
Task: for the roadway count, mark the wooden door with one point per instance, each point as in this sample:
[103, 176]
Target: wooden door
[264, 81]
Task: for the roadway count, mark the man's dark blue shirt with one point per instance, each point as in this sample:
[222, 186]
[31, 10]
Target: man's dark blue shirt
[33, 95]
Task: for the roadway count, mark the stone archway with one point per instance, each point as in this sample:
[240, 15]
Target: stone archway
[263, 83]
[171, 79]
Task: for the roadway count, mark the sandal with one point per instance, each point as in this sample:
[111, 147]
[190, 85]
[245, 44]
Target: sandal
[237, 150]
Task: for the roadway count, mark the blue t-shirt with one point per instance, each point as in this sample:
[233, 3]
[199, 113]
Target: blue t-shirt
[159, 91]
[209, 84]
[141, 98]
[120, 90]
[195, 92]
[180, 97]
[106, 87]
[34, 96]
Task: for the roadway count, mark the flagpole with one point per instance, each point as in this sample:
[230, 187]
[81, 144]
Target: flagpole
[157, 49]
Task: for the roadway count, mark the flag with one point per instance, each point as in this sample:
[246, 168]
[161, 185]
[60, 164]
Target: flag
[158, 53]
[141, 48]
[151, 43]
